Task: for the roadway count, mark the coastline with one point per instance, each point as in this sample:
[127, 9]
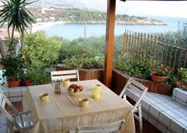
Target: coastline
[41, 25]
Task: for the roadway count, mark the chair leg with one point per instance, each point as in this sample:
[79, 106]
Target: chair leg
[140, 118]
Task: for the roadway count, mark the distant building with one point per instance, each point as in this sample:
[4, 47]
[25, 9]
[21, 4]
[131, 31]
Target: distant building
[3, 33]
[39, 20]
[52, 18]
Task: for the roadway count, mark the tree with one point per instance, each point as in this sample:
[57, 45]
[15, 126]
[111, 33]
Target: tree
[17, 17]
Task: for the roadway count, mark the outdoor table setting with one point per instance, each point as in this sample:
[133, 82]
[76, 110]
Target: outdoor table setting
[94, 104]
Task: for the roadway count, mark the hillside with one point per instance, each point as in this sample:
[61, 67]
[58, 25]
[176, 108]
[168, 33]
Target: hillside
[74, 15]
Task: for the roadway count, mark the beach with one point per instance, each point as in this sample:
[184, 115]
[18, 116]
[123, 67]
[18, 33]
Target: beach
[42, 25]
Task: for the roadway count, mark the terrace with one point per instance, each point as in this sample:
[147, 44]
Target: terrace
[111, 79]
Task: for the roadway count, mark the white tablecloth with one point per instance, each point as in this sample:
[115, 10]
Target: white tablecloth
[61, 112]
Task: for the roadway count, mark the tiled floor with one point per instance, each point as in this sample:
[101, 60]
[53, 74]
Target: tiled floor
[148, 128]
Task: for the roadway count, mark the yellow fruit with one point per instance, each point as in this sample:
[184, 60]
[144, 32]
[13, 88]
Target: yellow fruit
[71, 90]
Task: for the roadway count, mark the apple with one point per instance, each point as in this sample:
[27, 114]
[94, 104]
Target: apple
[75, 89]
[81, 87]
[78, 90]
[71, 90]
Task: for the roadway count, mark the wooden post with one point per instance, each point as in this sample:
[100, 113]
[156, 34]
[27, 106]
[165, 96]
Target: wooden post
[125, 41]
[111, 5]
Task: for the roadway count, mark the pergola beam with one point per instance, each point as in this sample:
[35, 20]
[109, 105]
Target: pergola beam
[110, 28]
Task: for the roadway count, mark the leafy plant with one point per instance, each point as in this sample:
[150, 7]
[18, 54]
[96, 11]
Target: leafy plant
[41, 50]
[183, 75]
[37, 75]
[171, 79]
[160, 71]
[84, 62]
[45, 76]
[132, 67]
[14, 67]
[73, 49]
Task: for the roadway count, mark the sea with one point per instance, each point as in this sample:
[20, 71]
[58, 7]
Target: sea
[74, 31]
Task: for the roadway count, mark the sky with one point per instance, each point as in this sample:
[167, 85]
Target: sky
[153, 8]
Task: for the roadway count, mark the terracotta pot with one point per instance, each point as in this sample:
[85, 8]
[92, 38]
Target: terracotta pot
[41, 83]
[158, 79]
[13, 83]
[28, 82]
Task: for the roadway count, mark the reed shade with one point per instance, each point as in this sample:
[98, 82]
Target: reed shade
[170, 53]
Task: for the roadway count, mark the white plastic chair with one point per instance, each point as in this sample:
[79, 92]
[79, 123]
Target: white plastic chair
[65, 74]
[114, 127]
[19, 121]
[136, 92]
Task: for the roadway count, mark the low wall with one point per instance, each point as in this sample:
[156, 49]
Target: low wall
[119, 80]
[87, 74]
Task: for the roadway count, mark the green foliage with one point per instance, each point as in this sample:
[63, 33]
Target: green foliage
[160, 70]
[14, 67]
[84, 62]
[171, 79]
[132, 67]
[41, 50]
[37, 75]
[76, 49]
[15, 14]
[171, 38]
[183, 75]
[99, 43]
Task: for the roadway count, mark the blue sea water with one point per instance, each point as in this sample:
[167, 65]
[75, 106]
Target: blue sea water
[74, 31]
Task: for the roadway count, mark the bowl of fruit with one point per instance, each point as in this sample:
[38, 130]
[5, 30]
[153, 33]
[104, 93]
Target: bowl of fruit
[75, 89]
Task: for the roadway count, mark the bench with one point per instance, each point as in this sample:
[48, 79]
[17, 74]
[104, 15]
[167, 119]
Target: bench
[167, 113]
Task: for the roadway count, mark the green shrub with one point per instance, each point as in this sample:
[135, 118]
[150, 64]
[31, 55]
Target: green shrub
[84, 62]
[132, 67]
[41, 50]
[37, 75]
[183, 75]
[75, 49]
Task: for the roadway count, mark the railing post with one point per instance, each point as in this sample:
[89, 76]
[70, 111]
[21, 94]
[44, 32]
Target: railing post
[125, 41]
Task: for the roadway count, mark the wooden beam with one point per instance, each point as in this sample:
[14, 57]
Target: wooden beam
[111, 5]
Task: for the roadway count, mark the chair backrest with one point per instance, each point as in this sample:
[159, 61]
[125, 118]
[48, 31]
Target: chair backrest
[65, 74]
[114, 127]
[5, 102]
[139, 89]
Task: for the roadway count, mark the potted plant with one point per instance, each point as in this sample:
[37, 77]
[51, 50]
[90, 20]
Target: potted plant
[44, 77]
[35, 76]
[13, 69]
[182, 83]
[28, 76]
[159, 74]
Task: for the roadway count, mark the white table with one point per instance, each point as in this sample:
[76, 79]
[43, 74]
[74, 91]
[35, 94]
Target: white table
[61, 112]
